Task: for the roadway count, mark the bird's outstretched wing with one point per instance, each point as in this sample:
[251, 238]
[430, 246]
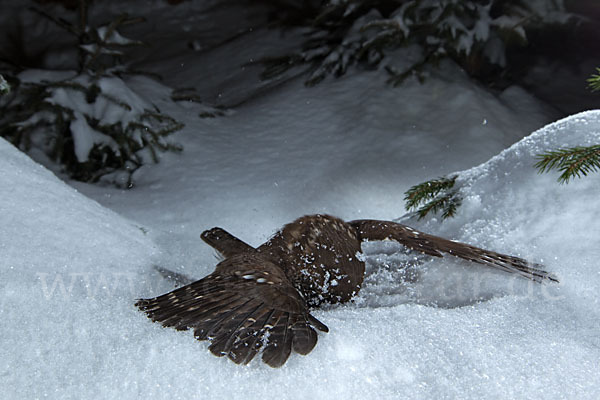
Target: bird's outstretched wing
[245, 305]
[436, 246]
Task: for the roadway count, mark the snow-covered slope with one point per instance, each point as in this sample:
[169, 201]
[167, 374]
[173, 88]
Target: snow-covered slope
[521, 340]
[68, 273]
[347, 147]
[71, 268]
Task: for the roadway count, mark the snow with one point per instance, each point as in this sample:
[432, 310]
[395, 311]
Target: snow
[522, 341]
[4, 86]
[66, 270]
[75, 257]
[115, 104]
[85, 137]
[113, 37]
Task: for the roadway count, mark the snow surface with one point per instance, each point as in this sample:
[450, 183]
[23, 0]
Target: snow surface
[72, 267]
[4, 86]
[88, 341]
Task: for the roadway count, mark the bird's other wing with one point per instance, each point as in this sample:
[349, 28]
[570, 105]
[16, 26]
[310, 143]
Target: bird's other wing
[177, 278]
[437, 246]
[246, 305]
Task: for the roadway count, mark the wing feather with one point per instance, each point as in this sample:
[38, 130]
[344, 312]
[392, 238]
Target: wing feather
[279, 345]
[246, 305]
[437, 246]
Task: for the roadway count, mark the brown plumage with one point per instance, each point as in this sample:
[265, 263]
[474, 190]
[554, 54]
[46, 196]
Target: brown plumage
[260, 298]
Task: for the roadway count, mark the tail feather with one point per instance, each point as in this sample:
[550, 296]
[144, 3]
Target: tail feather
[317, 324]
[211, 321]
[249, 341]
[279, 345]
[304, 337]
[224, 333]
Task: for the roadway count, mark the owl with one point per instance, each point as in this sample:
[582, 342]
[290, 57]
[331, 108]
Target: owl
[259, 300]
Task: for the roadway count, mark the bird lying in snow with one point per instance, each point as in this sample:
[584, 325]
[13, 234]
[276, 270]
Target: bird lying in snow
[260, 298]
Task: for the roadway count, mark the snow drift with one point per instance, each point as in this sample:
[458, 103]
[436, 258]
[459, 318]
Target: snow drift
[71, 269]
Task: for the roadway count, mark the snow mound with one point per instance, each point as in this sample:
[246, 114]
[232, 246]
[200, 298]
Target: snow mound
[485, 332]
[68, 276]
[525, 341]
[50, 227]
[510, 208]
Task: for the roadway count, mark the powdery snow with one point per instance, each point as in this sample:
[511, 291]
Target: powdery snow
[524, 341]
[67, 275]
[71, 267]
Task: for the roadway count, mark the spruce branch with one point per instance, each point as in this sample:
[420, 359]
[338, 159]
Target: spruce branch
[447, 204]
[32, 115]
[594, 81]
[434, 196]
[572, 162]
[417, 69]
[362, 32]
[60, 22]
[427, 190]
[102, 39]
[276, 66]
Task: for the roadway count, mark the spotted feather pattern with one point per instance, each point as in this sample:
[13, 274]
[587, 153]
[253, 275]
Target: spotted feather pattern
[245, 305]
[258, 299]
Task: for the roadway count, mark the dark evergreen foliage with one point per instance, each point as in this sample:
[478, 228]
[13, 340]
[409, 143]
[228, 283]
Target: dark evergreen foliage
[438, 195]
[594, 81]
[70, 115]
[573, 162]
[476, 34]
